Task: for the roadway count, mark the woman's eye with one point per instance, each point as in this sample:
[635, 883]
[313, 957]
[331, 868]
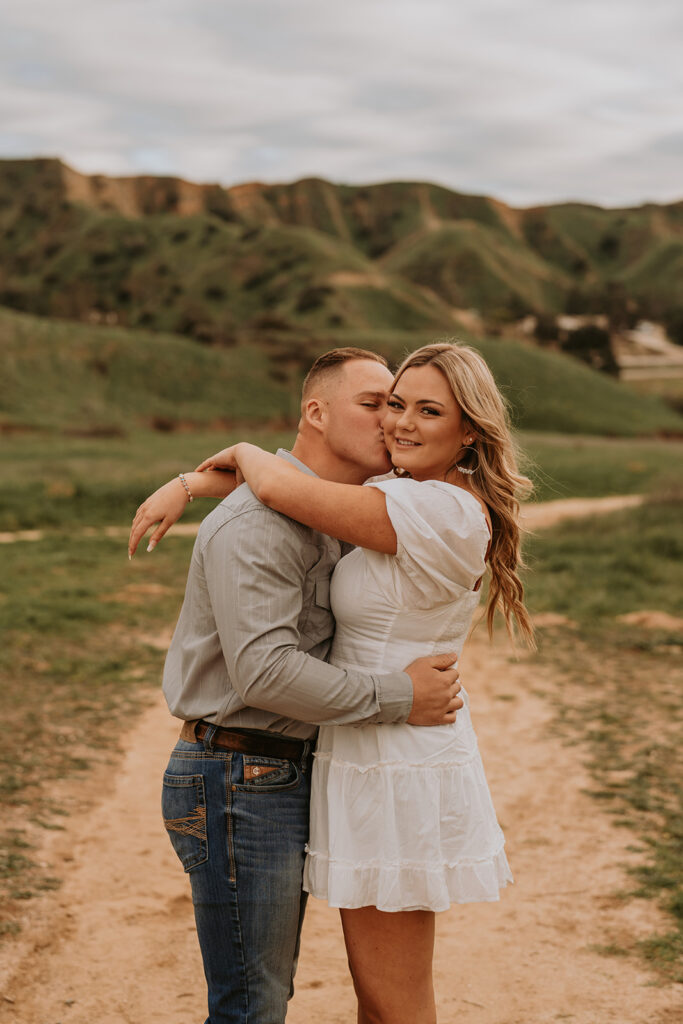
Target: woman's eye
[431, 412]
[394, 404]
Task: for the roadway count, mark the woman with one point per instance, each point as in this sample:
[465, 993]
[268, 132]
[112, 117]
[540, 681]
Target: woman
[401, 819]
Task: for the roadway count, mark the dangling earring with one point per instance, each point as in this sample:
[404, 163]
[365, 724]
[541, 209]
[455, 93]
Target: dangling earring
[463, 469]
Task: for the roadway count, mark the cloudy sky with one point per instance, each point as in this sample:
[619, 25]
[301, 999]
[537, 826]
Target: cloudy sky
[528, 100]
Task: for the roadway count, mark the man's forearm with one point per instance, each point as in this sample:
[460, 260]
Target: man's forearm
[290, 682]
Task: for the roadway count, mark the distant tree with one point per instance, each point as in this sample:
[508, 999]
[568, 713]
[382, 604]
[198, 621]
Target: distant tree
[619, 308]
[546, 327]
[313, 298]
[219, 204]
[270, 322]
[576, 302]
[214, 292]
[674, 325]
[134, 243]
[592, 345]
[609, 246]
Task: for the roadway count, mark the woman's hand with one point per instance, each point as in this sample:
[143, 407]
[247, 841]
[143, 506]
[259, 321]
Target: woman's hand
[167, 504]
[225, 459]
[164, 507]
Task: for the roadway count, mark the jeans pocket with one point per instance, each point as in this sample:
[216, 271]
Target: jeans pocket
[183, 805]
[267, 774]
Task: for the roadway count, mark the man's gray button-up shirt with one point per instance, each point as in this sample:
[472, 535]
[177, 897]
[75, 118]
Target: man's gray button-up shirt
[256, 625]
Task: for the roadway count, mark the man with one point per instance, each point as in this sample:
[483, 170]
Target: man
[245, 671]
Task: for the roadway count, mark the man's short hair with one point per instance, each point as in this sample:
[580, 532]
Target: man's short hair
[328, 363]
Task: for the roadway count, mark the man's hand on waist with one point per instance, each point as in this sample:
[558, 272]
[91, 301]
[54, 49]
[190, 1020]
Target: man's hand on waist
[435, 690]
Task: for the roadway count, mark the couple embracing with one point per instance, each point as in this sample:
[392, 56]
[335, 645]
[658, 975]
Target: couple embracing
[365, 725]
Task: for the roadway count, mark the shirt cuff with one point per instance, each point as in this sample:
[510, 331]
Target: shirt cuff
[395, 695]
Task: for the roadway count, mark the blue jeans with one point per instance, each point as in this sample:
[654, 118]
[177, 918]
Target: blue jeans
[239, 824]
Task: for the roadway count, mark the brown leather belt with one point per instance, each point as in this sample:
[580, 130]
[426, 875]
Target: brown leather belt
[248, 741]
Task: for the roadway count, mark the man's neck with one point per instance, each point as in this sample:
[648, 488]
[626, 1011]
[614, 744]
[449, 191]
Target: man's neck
[325, 464]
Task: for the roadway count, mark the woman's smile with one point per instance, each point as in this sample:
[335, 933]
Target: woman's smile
[424, 428]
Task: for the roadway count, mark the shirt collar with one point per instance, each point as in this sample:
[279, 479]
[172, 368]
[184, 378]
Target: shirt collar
[284, 454]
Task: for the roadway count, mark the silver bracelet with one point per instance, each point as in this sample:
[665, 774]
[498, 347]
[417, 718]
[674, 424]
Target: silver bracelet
[181, 477]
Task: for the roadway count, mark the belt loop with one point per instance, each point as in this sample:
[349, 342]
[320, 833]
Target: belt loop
[208, 737]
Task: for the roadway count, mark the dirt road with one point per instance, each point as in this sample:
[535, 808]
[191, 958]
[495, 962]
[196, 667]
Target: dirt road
[117, 944]
[534, 515]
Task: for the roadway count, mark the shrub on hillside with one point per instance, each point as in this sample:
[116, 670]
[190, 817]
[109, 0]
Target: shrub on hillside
[546, 328]
[674, 326]
[592, 345]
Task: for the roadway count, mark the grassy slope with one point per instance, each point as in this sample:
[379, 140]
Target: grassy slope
[470, 264]
[108, 385]
[571, 466]
[73, 377]
[549, 391]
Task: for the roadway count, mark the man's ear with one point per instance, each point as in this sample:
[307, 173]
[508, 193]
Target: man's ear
[315, 413]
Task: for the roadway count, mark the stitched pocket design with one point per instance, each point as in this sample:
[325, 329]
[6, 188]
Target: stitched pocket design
[183, 805]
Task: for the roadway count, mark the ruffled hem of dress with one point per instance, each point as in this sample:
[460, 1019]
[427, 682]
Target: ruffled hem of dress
[406, 885]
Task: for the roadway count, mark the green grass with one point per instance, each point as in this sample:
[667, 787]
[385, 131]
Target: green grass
[101, 481]
[621, 689]
[563, 466]
[94, 481]
[77, 657]
[475, 265]
[669, 389]
[592, 569]
[77, 379]
[72, 378]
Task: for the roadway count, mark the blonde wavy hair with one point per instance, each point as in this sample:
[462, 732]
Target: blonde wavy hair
[496, 479]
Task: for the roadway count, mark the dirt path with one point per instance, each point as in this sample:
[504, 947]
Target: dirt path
[546, 513]
[117, 944]
[533, 515]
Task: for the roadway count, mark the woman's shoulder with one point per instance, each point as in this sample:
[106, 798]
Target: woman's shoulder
[433, 498]
[441, 535]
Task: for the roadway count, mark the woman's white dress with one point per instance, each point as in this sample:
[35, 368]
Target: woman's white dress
[401, 815]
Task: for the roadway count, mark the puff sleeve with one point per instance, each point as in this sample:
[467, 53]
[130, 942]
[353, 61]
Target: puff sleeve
[442, 538]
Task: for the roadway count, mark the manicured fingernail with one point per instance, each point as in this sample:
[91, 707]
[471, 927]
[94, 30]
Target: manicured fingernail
[129, 556]
[151, 546]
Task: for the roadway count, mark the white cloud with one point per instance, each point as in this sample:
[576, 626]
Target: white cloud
[531, 100]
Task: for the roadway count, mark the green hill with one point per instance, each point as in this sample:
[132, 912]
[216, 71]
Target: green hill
[209, 262]
[76, 378]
